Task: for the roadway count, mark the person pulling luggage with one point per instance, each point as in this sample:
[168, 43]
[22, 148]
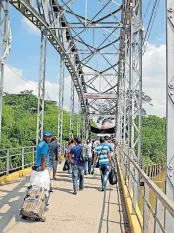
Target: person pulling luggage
[42, 153]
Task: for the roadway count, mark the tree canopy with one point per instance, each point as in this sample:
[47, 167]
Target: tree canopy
[19, 125]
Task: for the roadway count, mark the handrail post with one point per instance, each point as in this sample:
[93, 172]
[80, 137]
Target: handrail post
[33, 155]
[23, 158]
[8, 162]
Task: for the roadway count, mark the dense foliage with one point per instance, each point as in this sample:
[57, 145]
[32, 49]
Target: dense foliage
[19, 119]
[154, 140]
[19, 126]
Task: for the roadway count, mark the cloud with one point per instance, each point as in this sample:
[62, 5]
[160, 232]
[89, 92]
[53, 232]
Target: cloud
[29, 27]
[13, 83]
[154, 78]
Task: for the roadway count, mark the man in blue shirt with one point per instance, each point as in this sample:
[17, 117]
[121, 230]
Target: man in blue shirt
[77, 166]
[102, 153]
[42, 152]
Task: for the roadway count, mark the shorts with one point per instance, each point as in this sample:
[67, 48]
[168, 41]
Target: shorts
[53, 165]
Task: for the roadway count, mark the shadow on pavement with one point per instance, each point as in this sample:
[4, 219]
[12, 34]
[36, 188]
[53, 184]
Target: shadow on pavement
[13, 207]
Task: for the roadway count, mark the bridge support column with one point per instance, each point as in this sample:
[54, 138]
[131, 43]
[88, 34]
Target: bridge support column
[71, 123]
[169, 108]
[61, 100]
[5, 39]
[41, 87]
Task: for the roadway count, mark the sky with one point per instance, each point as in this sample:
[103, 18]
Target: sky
[23, 60]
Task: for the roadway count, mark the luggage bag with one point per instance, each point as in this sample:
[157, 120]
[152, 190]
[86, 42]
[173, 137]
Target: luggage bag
[34, 204]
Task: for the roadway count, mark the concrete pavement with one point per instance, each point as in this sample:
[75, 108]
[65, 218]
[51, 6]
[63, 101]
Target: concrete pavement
[90, 211]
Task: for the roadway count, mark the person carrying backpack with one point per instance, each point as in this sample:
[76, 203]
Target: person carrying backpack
[78, 157]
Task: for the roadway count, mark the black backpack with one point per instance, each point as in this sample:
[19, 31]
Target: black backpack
[83, 155]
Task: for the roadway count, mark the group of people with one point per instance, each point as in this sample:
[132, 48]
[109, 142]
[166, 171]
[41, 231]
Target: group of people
[100, 153]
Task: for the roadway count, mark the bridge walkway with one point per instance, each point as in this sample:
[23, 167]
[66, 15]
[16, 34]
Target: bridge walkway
[89, 211]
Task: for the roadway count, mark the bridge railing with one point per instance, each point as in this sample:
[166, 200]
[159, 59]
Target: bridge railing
[149, 203]
[14, 159]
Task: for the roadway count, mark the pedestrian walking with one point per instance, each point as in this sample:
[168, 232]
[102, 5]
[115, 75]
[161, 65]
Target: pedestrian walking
[55, 155]
[77, 166]
[70, 145]
[102, 153]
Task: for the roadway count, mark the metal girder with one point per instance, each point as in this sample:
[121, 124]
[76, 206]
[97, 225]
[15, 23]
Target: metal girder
[5, 39]
[54, 36]
[71, 123]
[67, 37]
[42, 75]
[61, 100]
[41, 88]
[169, 109]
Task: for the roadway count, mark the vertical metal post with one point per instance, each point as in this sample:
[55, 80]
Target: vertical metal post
[169, 108]
[33, 155]
[8, 162]
[41, 88]
[129, 88]
[5, 34]
[23, 159]
[158, 213]
[61, 100]
[146, 209]
[71, 124]
[140, 85]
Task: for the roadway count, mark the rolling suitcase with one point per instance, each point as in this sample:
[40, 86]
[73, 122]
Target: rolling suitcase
[34, 204]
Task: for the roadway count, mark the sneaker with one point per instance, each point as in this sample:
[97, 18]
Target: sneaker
[81, 189]
[75, 192]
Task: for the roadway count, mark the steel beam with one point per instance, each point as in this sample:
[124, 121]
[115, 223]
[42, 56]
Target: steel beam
[61, 101]
[71, 123]
[41, 88]
[5, 39]
[169, 109]
[55, 39]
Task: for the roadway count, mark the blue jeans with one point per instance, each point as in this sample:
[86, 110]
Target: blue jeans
[89, 165]
[70, 168]
[105, 169]
[86, 167]
[78, 173]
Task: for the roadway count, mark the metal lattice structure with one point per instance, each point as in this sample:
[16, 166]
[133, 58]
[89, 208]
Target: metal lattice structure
[61, 100]
[71, 123]
[5, 39]
[41, 88]
[170, 109]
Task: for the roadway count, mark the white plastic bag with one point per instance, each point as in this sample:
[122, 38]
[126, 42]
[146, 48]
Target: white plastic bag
[40, 179]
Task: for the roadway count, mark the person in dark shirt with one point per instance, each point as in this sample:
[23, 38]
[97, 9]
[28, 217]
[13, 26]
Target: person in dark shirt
[55, 156]
[77, 166]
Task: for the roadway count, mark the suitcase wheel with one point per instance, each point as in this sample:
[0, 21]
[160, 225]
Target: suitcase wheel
[23, 217]
[43, 219]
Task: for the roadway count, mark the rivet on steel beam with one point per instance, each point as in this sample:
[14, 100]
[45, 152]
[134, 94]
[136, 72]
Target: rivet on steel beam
[170, 9]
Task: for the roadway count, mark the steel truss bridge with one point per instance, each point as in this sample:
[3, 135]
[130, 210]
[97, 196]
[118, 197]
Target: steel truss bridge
[103, 55]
